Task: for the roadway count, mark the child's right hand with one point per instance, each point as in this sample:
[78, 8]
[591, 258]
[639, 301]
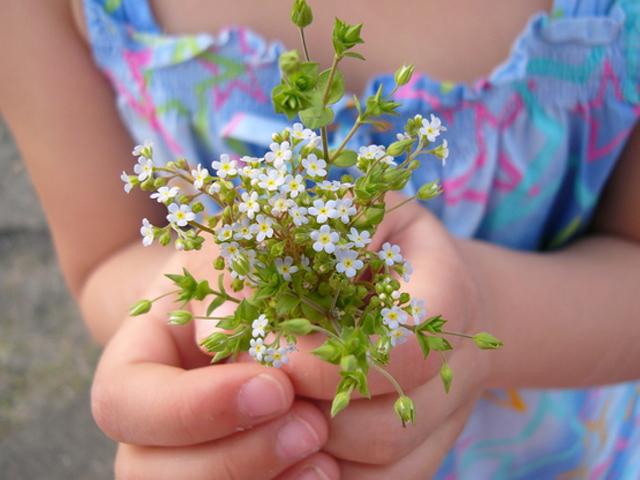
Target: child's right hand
[176, 416]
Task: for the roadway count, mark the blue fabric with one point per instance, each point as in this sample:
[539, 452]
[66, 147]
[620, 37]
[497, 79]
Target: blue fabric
[532, 146]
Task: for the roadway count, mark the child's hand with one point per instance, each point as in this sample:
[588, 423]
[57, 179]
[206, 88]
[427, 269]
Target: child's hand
[367, 437]
[176, 416]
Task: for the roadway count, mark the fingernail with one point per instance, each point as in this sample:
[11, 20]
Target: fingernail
[262, 395]
[297, 439]
[312, 473]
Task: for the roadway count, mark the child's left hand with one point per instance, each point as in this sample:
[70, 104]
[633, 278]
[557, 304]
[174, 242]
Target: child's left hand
[367, 437]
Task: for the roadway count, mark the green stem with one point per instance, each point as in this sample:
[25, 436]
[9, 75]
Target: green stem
[351, 133]
[400, 204]
[389, 377]
[304, 44]
[455, 334]
[202, 227]
[317, 328]
[165, 295]
[332, 72]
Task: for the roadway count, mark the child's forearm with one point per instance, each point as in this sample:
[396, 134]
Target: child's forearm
[570, 318]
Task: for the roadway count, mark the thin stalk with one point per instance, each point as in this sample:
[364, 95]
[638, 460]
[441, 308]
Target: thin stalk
[165, 295]
[304, 44]
[389, 377]
[395, 207]
[202, 227]
[455, 334]
[351, 133]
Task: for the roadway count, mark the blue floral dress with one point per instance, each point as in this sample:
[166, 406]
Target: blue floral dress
[532, 146]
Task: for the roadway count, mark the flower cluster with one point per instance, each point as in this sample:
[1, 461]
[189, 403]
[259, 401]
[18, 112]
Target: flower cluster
[300, 237]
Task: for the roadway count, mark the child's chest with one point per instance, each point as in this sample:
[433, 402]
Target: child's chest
[455, 40]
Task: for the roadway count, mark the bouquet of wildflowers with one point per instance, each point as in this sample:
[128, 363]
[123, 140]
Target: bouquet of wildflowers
[298, 240]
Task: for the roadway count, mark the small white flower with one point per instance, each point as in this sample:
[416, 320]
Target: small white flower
[395, 294]
[344, 209]
[348, 263]
[280, 204]
[242, 230]
[443, 151]
[325, 239]
[258, 348]
[390, 254]
[407, 270]
[259, 325]
[280, 153]
[214, 188]
[165, 194]
[180, 215]
[262, 228]
[229, 250]
[298, 215]
[272, 180]
[313, 166]
[199, 176]
[249, 204]
[375, 152]
[277, 357]
[144, 149]
[418, 310]
[398, 336]
[225, 233]
[359, 239]
[323, 211]
[393, 317]
[225, 167]
[431, 129]
[286, 268]
[144, 168]
[127, 182]
[402, 136]
[304, 260]
[299, 132]
[147, 232]
[293, 185]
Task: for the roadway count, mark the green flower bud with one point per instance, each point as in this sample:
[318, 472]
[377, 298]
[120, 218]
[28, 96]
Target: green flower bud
[147, 185]
[143, 306]
[197, 207]
[301, 14]
[180, 245]
[328, 352]
[486, 341]
[405, 409]
[165, 238]
[396, 148]
[180, 317]
[277, 137]
[349, 363]
[289, 100]
[340, 402]
[159, 182]
[446, 375]
[182, 163]
[237, 284]
[404, 74]
[219, 263]
[297, 326]
[215, 342]
[405, 297]
[429, 191]
[345, 36]
[289, 61]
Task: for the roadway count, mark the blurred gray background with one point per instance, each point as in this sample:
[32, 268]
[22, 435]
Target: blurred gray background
[46, 356]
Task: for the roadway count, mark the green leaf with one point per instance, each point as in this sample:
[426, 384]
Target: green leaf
[246, 313]
[347, 158]
[296, 326]
[311, 313]
[228, 323]
[286, 303]
[202, 290]
[439, 344]
[330, 351]
[354, 55]
[433, 324]
[424, 345]
[218, 301]
[336, 91]
[315, 118]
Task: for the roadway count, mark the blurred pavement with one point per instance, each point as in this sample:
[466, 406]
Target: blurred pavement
[46, 356]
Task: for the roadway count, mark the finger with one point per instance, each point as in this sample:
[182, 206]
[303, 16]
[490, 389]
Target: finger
[319, 466]
[423, 462]
[260, 453]
[369, 431]
[142, 395]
